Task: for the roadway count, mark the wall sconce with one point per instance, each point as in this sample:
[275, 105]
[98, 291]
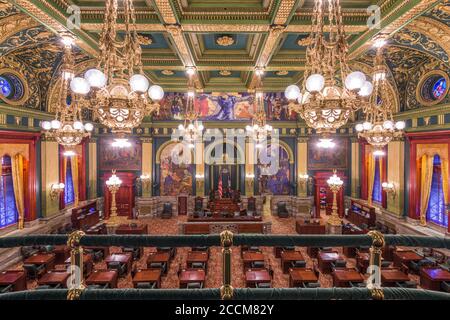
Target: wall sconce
[303, 178]
[145, 180]
[55, 190]
[389, 188]
[249, 181]
[199, 180]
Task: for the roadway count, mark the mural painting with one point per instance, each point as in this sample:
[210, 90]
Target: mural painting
[176, 172]
[112, 158]
[224, 107]
[326, 159]
[278, 183]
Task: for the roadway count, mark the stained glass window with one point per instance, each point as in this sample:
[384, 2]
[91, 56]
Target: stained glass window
[8, 209]
[439, 88]
[376, 192]
[5, 87]
[436, 207]
[69, 193]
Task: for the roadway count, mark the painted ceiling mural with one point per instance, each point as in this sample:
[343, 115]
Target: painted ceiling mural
[226, 51]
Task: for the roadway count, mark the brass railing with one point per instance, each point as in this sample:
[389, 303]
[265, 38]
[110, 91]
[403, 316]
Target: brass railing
[226, 240]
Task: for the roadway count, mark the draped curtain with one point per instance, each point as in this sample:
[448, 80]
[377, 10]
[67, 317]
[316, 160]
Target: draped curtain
[17, 177]
[426, 177]
[74, 167]
[370, 176]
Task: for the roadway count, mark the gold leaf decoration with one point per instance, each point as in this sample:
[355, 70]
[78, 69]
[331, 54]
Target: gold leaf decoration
[144, 40]
[225, 73]
[282, 73]
[225, 41]
[168, 72]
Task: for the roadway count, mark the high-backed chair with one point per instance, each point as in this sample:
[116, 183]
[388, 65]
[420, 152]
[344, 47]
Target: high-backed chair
[34, 271]
[115, 265]
[198, 204]
[264, 285]
[159, 265]
[251, 206]
[167, 211]
[298, 264]
[282, 210]
[146, 285]
[194, 285]
[135, 252]
[311, 284]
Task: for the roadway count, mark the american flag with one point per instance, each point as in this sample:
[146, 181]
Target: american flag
[219, 188]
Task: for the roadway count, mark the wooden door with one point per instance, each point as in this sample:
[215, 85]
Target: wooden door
[124, 197]
[182, 205]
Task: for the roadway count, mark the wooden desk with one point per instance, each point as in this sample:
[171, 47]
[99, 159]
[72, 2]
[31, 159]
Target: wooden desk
[16, 278]
[312, 251]
[62, 252]
[103, 277]
[128, 229]
[197, 256]
[253, 277]
[249, 257]
[104, 249]
[289, 256]
[277, 251]
[405, 257]
[431, 278]
[310, 228]
[162, 257]
[390, 276]
[47, 259]
[88, 264]
[299, 276]
[122, 258]
[189, 276]
[147, 275]
[53, 278]
[343, 277]
[324, 260]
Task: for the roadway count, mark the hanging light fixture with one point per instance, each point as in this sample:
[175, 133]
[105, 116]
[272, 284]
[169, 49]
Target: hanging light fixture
[259, 130]
[379, 127]
[119, 97]
[67, 128]
[192, 129]
[323, 103]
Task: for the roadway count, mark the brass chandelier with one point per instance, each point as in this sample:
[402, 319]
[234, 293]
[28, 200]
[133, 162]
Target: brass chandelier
[379, 127]
[192, 129]
[67, 128]
[323, 102]
[259, 130]
[119, 97]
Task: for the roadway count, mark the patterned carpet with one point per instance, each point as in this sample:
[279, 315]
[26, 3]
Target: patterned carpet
[214, 271]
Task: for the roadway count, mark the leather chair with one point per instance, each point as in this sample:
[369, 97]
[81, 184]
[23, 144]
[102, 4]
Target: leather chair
[121, 268]
[386, 264]
[28, 251]
[254, 249]
[282, 210]
[171, 250]
[357, 284]
[445, 286]
[97, 286]
[258, 264]
[198, 204]
[264, 285]
[135, 252]
[251, 206]
[6, 289]
[311, 285]
[407, 284]
[34, 271]
[146, 285]
[43, 287]
[416, 266]
[298, 264]
[194, 285]
[159, 265]
[203, 249]
[167, 211]
[338, 264]
[198, 265]
[288, 248]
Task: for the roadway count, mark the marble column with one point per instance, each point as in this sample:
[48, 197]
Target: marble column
[354, 179]
[92, 178]
[49, 176]
[396, 175]
[302, 166]
[147, 164]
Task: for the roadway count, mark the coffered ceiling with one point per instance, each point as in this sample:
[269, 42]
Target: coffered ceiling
[226, 40]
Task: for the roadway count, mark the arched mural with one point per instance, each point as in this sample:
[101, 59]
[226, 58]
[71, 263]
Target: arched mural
[273, 170]
[176, 170]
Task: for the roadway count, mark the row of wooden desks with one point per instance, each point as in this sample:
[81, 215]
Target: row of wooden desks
[147, 275]
[190, 276]
[256, 276]
[299, 276]
[16, 278]
[343, 277]
[46, 259]
[102, 277]
[405, 257]
[53, 278]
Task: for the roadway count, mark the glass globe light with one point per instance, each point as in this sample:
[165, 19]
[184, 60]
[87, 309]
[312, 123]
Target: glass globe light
[191, 93]
[61, 185]
[55, 124]
[359, 127]
[180, 127]
[46, 125]
[95, 78]
[156, 92]
[190, 126]
[139, 83]
[315, 83]
[388, 125]
[77, 125]
[200, 127]
[80, 85]
[367, 125]
[366, 90]
[355, 80]
[400, 125]
[292, 92]
[89, 126]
